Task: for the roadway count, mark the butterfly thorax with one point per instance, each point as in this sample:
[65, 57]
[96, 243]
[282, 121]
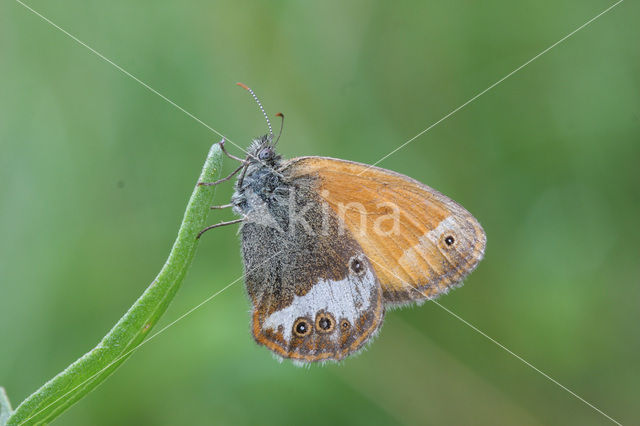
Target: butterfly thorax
[261, 185]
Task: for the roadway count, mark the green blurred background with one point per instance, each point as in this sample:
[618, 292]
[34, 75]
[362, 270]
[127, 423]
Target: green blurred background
[95, 172]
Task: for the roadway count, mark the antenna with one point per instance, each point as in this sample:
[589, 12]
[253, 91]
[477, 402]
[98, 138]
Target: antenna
[247, 88]
[281, 115]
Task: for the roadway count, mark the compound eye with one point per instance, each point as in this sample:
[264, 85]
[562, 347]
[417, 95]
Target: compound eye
[265, 154]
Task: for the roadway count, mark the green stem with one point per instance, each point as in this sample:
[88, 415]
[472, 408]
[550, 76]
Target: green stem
[79, 378]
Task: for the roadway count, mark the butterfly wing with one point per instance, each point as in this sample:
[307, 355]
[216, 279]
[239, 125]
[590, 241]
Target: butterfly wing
[420, 242]
[315, 294]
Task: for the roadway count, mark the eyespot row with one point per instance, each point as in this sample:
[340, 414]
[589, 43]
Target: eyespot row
[325, 323]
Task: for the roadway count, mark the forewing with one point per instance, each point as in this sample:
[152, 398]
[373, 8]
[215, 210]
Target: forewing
[420, 242]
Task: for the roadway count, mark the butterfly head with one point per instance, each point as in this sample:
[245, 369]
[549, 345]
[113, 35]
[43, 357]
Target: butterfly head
[263, 151]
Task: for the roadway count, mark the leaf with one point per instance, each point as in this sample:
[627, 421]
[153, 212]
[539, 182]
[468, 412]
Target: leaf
[85, 374]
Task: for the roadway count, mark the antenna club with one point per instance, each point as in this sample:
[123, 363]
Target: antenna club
[281, 115]
[244, 86]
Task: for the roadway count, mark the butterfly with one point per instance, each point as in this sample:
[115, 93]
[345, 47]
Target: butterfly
[329, 244]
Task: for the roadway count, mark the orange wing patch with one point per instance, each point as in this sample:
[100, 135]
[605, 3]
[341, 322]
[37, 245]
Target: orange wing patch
[420, 242]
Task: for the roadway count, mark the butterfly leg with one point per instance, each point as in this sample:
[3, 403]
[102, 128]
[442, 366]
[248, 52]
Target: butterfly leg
[224, 179]
[217, 225]
[224, 150]
[224, 206]
[241, 178]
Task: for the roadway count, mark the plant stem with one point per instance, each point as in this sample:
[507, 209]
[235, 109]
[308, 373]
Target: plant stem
[79, 378]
